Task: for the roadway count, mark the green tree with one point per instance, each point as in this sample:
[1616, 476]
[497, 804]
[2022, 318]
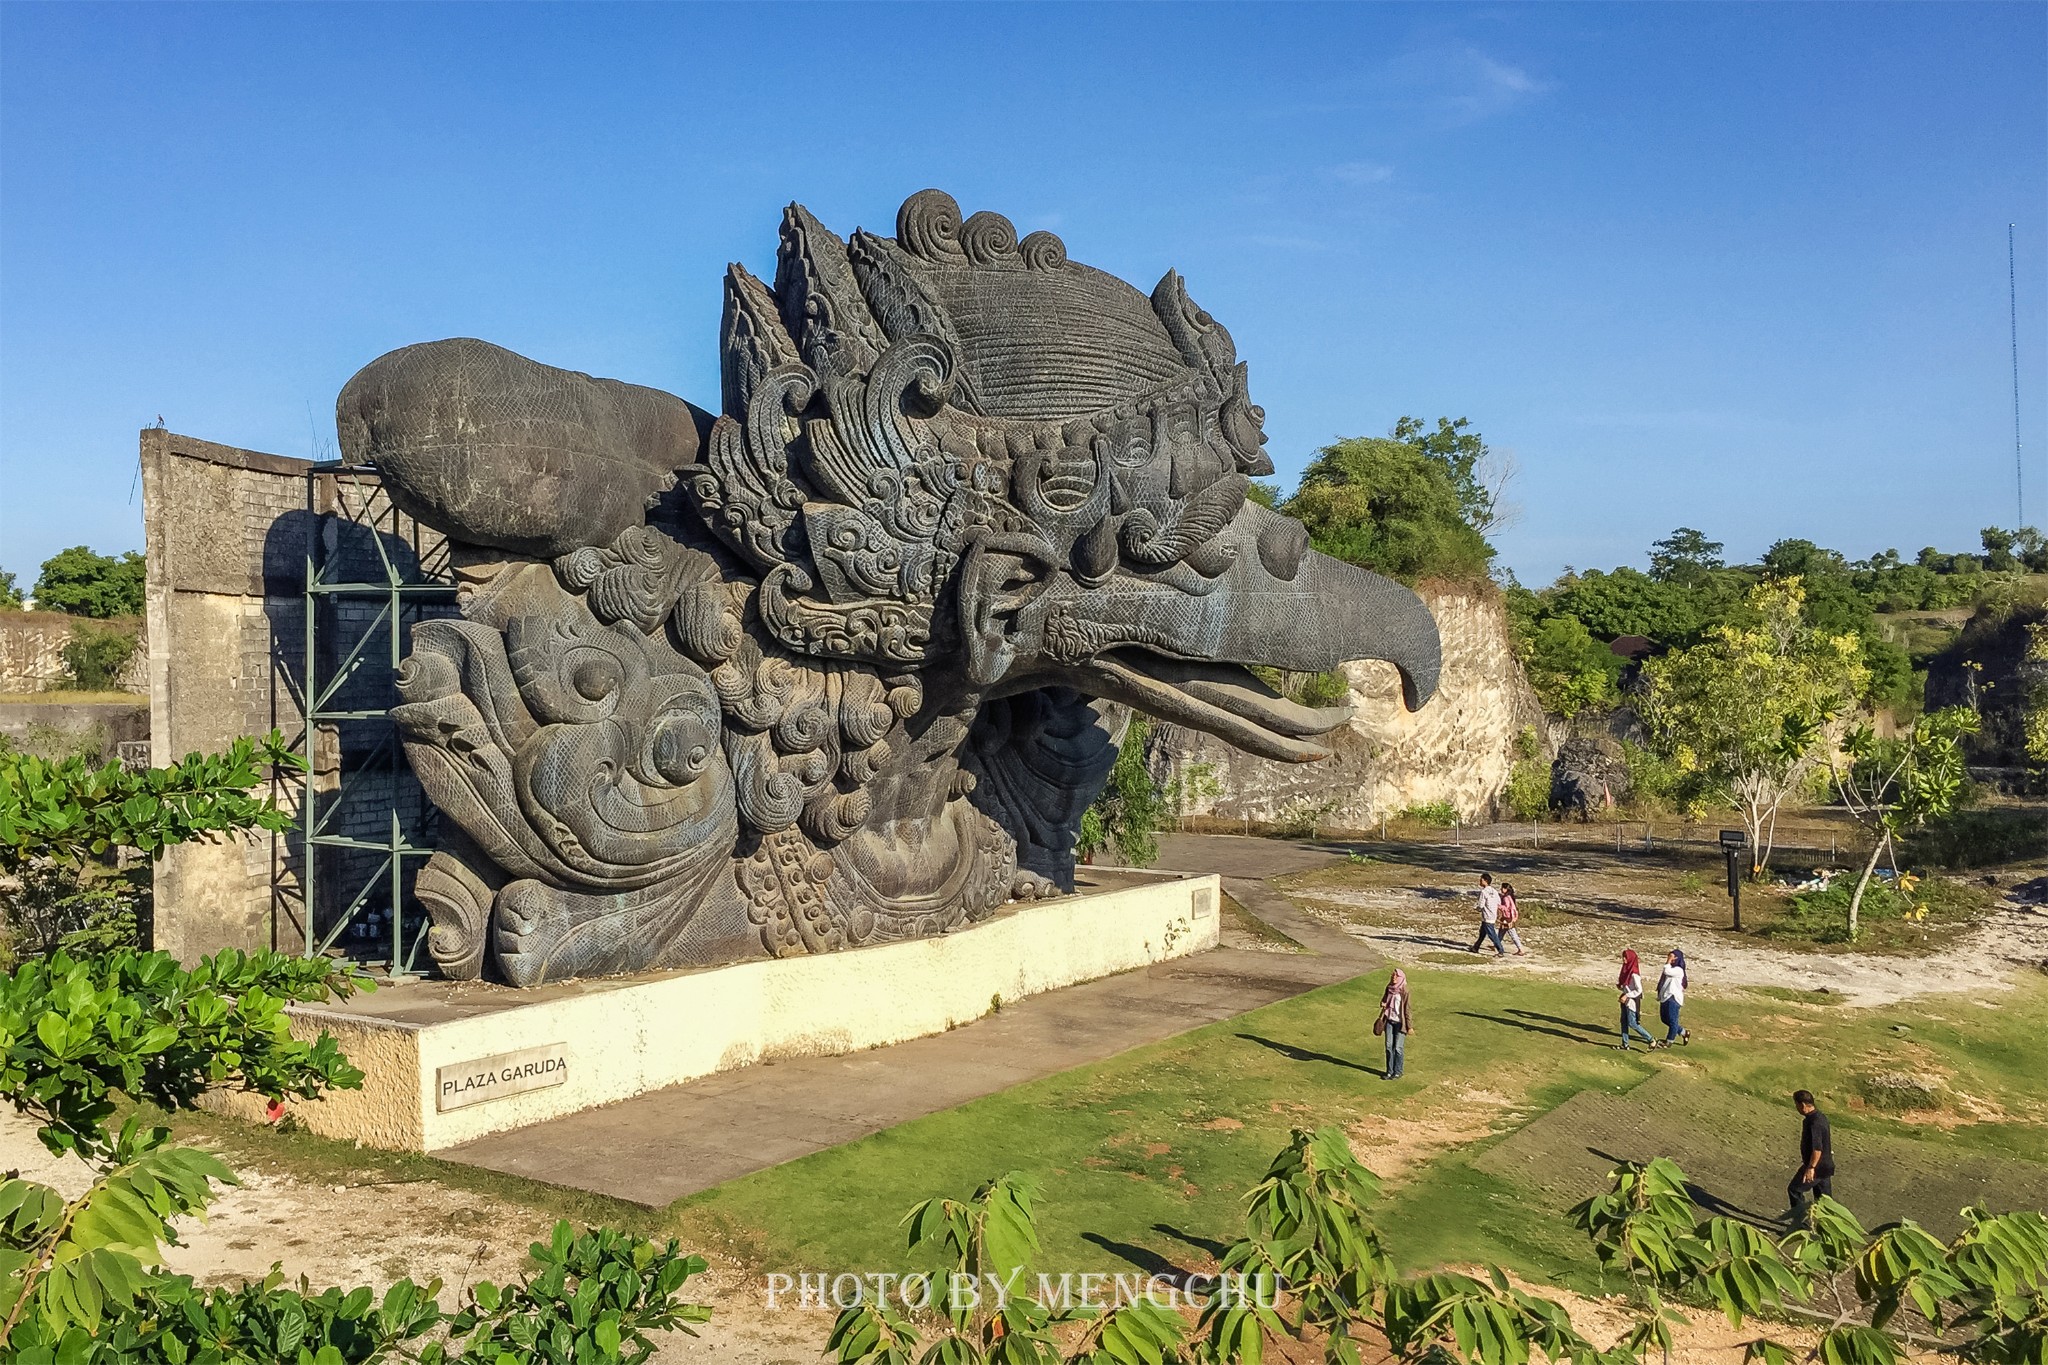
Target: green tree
[1895, 785]
[1628, 601]
[95, 655]
[71, 811]
[10, 596]
[1985, 1293]
[87, 584]
[1131, 809]
[1753, 708]
[1570, 671]
[1684, 556]
[1475, 473]
[1389, 506]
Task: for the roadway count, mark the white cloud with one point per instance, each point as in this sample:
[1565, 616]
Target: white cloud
[1361, 173]
[1457, 84]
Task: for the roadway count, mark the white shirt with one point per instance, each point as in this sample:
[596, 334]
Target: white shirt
[1671, 985]
[1489, 904]
[1394, 1008]
[1633, 991]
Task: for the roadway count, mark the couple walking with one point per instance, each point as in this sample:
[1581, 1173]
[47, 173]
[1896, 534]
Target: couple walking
[1497, 915]
[1670, 999]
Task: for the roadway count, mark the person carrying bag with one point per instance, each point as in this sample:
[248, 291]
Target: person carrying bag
[1395, 1022]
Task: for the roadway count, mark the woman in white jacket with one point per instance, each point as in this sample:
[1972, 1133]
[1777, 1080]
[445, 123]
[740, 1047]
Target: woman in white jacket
[1671, 998]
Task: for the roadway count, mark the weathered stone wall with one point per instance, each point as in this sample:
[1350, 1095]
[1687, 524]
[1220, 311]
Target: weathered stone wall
[228, 535]
[221, 600]
[1459, 748]
[32, 653]
[56, 729]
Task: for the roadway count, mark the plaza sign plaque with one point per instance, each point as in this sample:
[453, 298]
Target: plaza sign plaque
[493, 1078]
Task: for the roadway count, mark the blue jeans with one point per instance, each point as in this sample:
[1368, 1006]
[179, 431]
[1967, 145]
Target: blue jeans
[1668, 1010]
[1629, 1023]
[1397, 1051]
[1486, 932]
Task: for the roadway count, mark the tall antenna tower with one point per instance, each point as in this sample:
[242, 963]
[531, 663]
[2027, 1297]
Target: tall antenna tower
[2019, 478]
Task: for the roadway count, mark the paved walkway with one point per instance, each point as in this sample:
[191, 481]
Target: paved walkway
[657, 1148]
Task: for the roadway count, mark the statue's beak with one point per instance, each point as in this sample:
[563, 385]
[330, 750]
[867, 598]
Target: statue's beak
[1178, 646]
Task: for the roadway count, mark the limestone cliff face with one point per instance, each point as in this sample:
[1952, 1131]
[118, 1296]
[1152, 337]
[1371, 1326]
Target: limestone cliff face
[1459, 748]
[32, 653]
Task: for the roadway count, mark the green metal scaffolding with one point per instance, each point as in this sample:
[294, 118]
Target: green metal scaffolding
[357, 510]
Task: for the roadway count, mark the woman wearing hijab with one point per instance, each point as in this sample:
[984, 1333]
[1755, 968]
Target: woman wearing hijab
[1396, 1022]
[1630, 984]
[1510, 912]
[1671, 998]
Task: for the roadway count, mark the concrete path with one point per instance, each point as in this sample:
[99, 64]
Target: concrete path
[657, 1148]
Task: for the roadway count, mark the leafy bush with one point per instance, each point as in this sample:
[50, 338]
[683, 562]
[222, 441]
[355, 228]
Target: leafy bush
[1568, 669]
[1131, 809]
[1388, 506]
[1303, 817]
[592, 1297]
[1528, 791]
[82, 583]
[1892, 913]
[1529, 782]
[1311, 1270]
[74, 1033]
[1436, 814]
[71, 810]
[50, 905]
[95, 655]
[1980, 838]
[1986, 1291]
[78, 1278]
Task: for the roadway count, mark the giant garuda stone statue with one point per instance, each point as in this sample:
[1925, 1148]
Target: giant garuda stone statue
[826, 669]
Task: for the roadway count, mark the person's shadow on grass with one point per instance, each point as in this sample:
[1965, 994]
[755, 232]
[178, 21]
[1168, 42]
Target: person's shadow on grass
[1144, 1258]
[1302, 1054]
[1210, 1246]
[1527, 1027]
[1702, 1196]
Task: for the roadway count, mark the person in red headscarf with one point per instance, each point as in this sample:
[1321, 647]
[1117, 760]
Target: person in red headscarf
[1630, 984]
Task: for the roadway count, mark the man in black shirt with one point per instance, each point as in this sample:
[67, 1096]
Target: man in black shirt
[1816, 1173]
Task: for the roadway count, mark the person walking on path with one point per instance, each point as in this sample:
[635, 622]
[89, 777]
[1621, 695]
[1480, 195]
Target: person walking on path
[1396, 1022]
[1671, 998]
[1489, 915]
[1630, 984]
[1509, 913]
[1816, 1173]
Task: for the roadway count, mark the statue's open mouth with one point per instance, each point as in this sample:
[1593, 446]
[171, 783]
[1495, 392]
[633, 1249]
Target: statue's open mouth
[1224, 700]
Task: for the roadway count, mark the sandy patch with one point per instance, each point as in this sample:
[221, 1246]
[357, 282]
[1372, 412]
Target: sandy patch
[1400, 925]
[373, 1233]
[1394, 1147]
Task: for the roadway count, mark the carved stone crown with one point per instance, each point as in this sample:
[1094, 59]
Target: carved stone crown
[891, 399]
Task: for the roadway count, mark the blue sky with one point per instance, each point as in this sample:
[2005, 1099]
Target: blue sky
[1736, 267]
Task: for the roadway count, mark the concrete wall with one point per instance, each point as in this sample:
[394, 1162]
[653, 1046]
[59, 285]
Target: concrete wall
[32, 653]
[622, 1037]
[56, 729]
[228, 533]
[223, 598]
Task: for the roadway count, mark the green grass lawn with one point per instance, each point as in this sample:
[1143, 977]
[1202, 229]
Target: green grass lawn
[1143, 1158]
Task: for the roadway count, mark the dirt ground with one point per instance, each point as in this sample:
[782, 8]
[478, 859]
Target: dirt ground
[1584, 905]
[1588, 908]
[424, 1231]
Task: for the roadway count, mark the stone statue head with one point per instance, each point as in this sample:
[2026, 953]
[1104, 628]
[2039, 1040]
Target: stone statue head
[831, 666]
